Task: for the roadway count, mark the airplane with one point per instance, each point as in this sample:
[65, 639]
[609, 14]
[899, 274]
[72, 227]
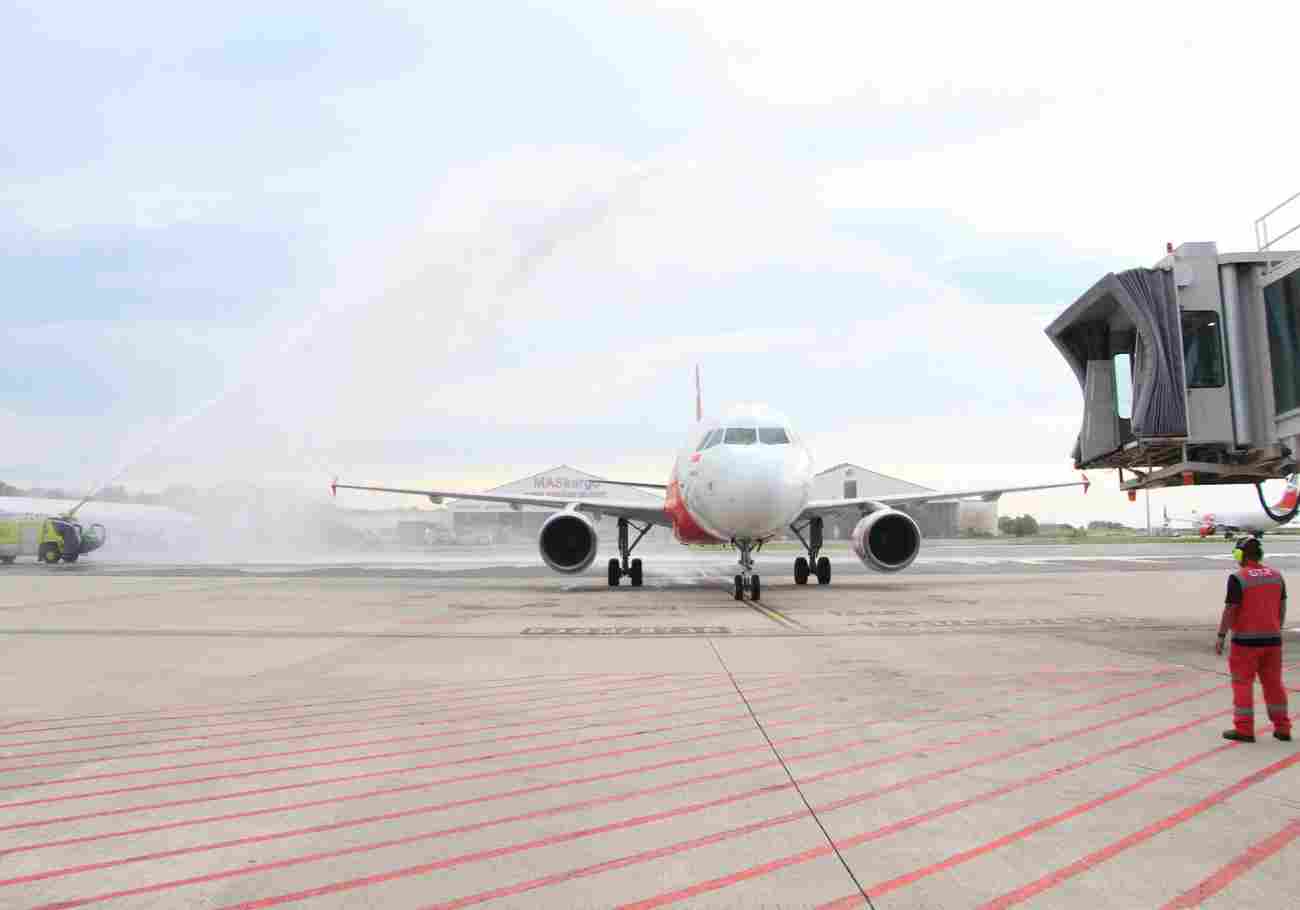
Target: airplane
[1253, 522]
[747, 478]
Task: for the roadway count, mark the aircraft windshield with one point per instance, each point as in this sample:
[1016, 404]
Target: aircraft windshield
[71, 539]
[773, 436]
[713, 439]
[741, 436]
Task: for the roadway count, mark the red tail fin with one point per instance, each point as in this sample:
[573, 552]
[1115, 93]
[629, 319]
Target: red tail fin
[1288, 500]
[699, 404]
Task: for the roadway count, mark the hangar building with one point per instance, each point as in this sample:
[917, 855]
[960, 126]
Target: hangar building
[503, 523]
[938, 519]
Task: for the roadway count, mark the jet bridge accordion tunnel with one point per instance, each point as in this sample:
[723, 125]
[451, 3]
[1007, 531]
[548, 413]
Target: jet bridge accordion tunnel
[1190, 370]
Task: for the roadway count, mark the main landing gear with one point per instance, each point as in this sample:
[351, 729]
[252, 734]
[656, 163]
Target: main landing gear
[813, 564]
[623, 566]
[747, 580]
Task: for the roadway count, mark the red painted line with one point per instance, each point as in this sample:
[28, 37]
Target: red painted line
[850, 902]
[431, 835]
[523, 791]
[1098, 857]
[430, 716]
[538, 813]
[408, 720]
[882, 888]
[489, 854]
[157, 715]
[731, 772]
[1254, 855]
[389, 772]
[295, 718]
[725, 881]
[352, 760]
[421, 718]
[547, 841]
[620, 711]
[435, 692]
[409, 788]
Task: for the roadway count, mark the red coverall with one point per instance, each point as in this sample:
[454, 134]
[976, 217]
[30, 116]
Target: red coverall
[1258, 594]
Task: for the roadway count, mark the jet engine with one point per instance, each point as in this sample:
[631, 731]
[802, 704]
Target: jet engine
[887, 540]
[568, 542]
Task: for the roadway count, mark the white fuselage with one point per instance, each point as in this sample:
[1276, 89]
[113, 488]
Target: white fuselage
[750, 484]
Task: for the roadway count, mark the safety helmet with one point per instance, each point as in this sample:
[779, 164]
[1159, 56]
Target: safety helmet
[1248, 547]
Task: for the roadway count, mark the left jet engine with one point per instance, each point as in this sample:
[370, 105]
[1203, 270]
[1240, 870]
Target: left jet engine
[568, 542]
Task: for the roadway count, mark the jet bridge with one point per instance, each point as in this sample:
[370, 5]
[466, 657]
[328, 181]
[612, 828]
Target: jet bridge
[1190, 369]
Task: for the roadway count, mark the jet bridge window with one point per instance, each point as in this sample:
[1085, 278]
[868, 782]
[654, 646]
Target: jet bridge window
[741, 436]
[1202, 349]
[773, 436]
[1282, 305]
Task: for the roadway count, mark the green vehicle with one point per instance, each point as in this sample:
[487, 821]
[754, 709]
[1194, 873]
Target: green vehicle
[50, 539]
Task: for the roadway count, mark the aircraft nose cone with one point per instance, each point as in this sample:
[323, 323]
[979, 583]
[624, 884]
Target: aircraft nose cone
[749, 500]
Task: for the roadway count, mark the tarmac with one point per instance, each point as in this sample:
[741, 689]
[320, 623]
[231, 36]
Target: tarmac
[1000, 725]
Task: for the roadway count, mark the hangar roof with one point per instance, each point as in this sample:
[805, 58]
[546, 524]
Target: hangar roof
[565, 483]
[874, 482]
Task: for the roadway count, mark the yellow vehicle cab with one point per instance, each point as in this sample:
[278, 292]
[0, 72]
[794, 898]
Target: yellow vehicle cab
[50, 539]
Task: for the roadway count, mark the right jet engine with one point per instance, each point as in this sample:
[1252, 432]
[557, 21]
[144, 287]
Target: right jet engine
[886, 540]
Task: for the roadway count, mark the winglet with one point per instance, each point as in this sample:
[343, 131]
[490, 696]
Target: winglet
[334, 487]
[1086, 483]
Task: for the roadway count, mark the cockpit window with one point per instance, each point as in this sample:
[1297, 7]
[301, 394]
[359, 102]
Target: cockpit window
[704, 441]
[773, 436]
[713, 438]
[741, 436]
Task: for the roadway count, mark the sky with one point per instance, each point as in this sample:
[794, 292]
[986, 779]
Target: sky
[455, 244]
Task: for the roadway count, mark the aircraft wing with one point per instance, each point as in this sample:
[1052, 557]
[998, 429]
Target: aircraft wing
[637, 511]
[866, 506]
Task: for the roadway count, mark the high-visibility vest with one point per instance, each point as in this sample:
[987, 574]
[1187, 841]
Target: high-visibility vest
[1259, 618]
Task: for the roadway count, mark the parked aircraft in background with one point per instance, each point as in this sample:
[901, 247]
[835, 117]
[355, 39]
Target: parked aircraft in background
[746, 478]
[1254, 521]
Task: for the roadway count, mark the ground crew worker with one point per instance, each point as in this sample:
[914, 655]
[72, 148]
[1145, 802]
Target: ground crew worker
[1255, 610]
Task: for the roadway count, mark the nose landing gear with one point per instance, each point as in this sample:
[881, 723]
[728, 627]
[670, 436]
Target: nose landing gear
[814, 564]
[746, 580]
[624, 566]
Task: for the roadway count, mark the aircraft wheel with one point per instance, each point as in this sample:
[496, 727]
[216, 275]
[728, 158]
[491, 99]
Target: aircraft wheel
[72, 557]
[49, 554]
[824, 571]
[8, 560]
[754, 588]
[801, 571]
[614, 573]
[740, 588]
[636, 573]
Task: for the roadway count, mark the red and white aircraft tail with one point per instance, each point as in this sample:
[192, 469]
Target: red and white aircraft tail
[1254, 521]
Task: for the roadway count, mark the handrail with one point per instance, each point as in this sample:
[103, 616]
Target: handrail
[1264, 243]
